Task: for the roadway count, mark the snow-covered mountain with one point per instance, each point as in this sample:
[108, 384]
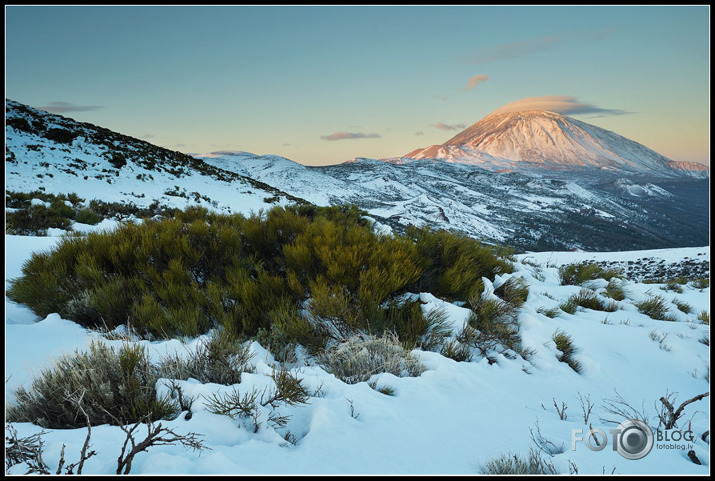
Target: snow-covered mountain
[548, 140]
[528, 210]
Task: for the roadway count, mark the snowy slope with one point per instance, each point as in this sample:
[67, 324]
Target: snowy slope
[87, 160]
[450, 420]
[548, 140]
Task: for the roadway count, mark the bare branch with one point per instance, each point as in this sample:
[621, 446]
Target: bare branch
[669, 416]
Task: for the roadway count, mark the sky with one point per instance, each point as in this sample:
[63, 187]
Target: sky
[325, 84]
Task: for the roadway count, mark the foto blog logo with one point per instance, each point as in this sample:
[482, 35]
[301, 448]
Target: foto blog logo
[632, 439]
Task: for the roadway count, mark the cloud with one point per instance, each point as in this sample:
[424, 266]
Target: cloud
[475, 80]
[442, 126]
[419, 133]
[562, 104]
[528, 47]
[62, 107]
[349, 135]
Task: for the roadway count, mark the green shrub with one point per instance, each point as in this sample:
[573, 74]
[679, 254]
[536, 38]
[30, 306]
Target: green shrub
[654, 307]
[564, 343]
[110, 385]
[683, 306]
[453, 264]
[701, 283]
[301, 274]
[456, 351]
[578, 273]
[570, 305]
[87, 216]
[514, 290]
[250, 406]
[615, 290]
[217, 359]
[588, 299]
[491, 323]
[551, 313]
[672, 285]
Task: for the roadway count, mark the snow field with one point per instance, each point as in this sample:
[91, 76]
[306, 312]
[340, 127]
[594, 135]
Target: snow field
[450, 420]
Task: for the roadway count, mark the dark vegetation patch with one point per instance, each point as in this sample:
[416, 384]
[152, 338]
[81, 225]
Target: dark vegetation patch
[304, 274]
[63, 209]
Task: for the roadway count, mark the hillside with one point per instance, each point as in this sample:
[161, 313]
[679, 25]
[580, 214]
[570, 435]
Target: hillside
[56, 155]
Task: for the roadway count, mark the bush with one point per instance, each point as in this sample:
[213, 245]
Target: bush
[305, 274]
[550, 313]
[514, 291]
[564, 343]
[615, 290]
[578, 273]
[359, 358]
[453, 264]
[655, 307]
[492, 325]
[514, 464]
[673, 285]
[110, 385]
[588, 299]
[19, 123]
[701, 283]
[456, 351]
[704, 317]
[683, 306]
[216, 359]
[61, 136]
[570, 305]
[246, 407]
[118, 160]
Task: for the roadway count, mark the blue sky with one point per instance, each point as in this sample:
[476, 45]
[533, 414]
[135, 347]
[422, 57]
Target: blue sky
[321, 85]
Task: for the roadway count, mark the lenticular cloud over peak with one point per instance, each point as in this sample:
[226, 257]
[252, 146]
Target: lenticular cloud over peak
[561, 104]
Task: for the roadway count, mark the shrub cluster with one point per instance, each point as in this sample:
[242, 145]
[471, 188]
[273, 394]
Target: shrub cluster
[215, 359]
[654, 307]
[492, 325]
[578, 273]
[615, 290]
[35, 219]
[62, 136]
[309, 274]
[515, 464]
[564, 343]
[587, 299]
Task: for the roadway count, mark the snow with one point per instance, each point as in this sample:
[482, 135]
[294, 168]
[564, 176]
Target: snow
[547, 140]
[450, 420]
